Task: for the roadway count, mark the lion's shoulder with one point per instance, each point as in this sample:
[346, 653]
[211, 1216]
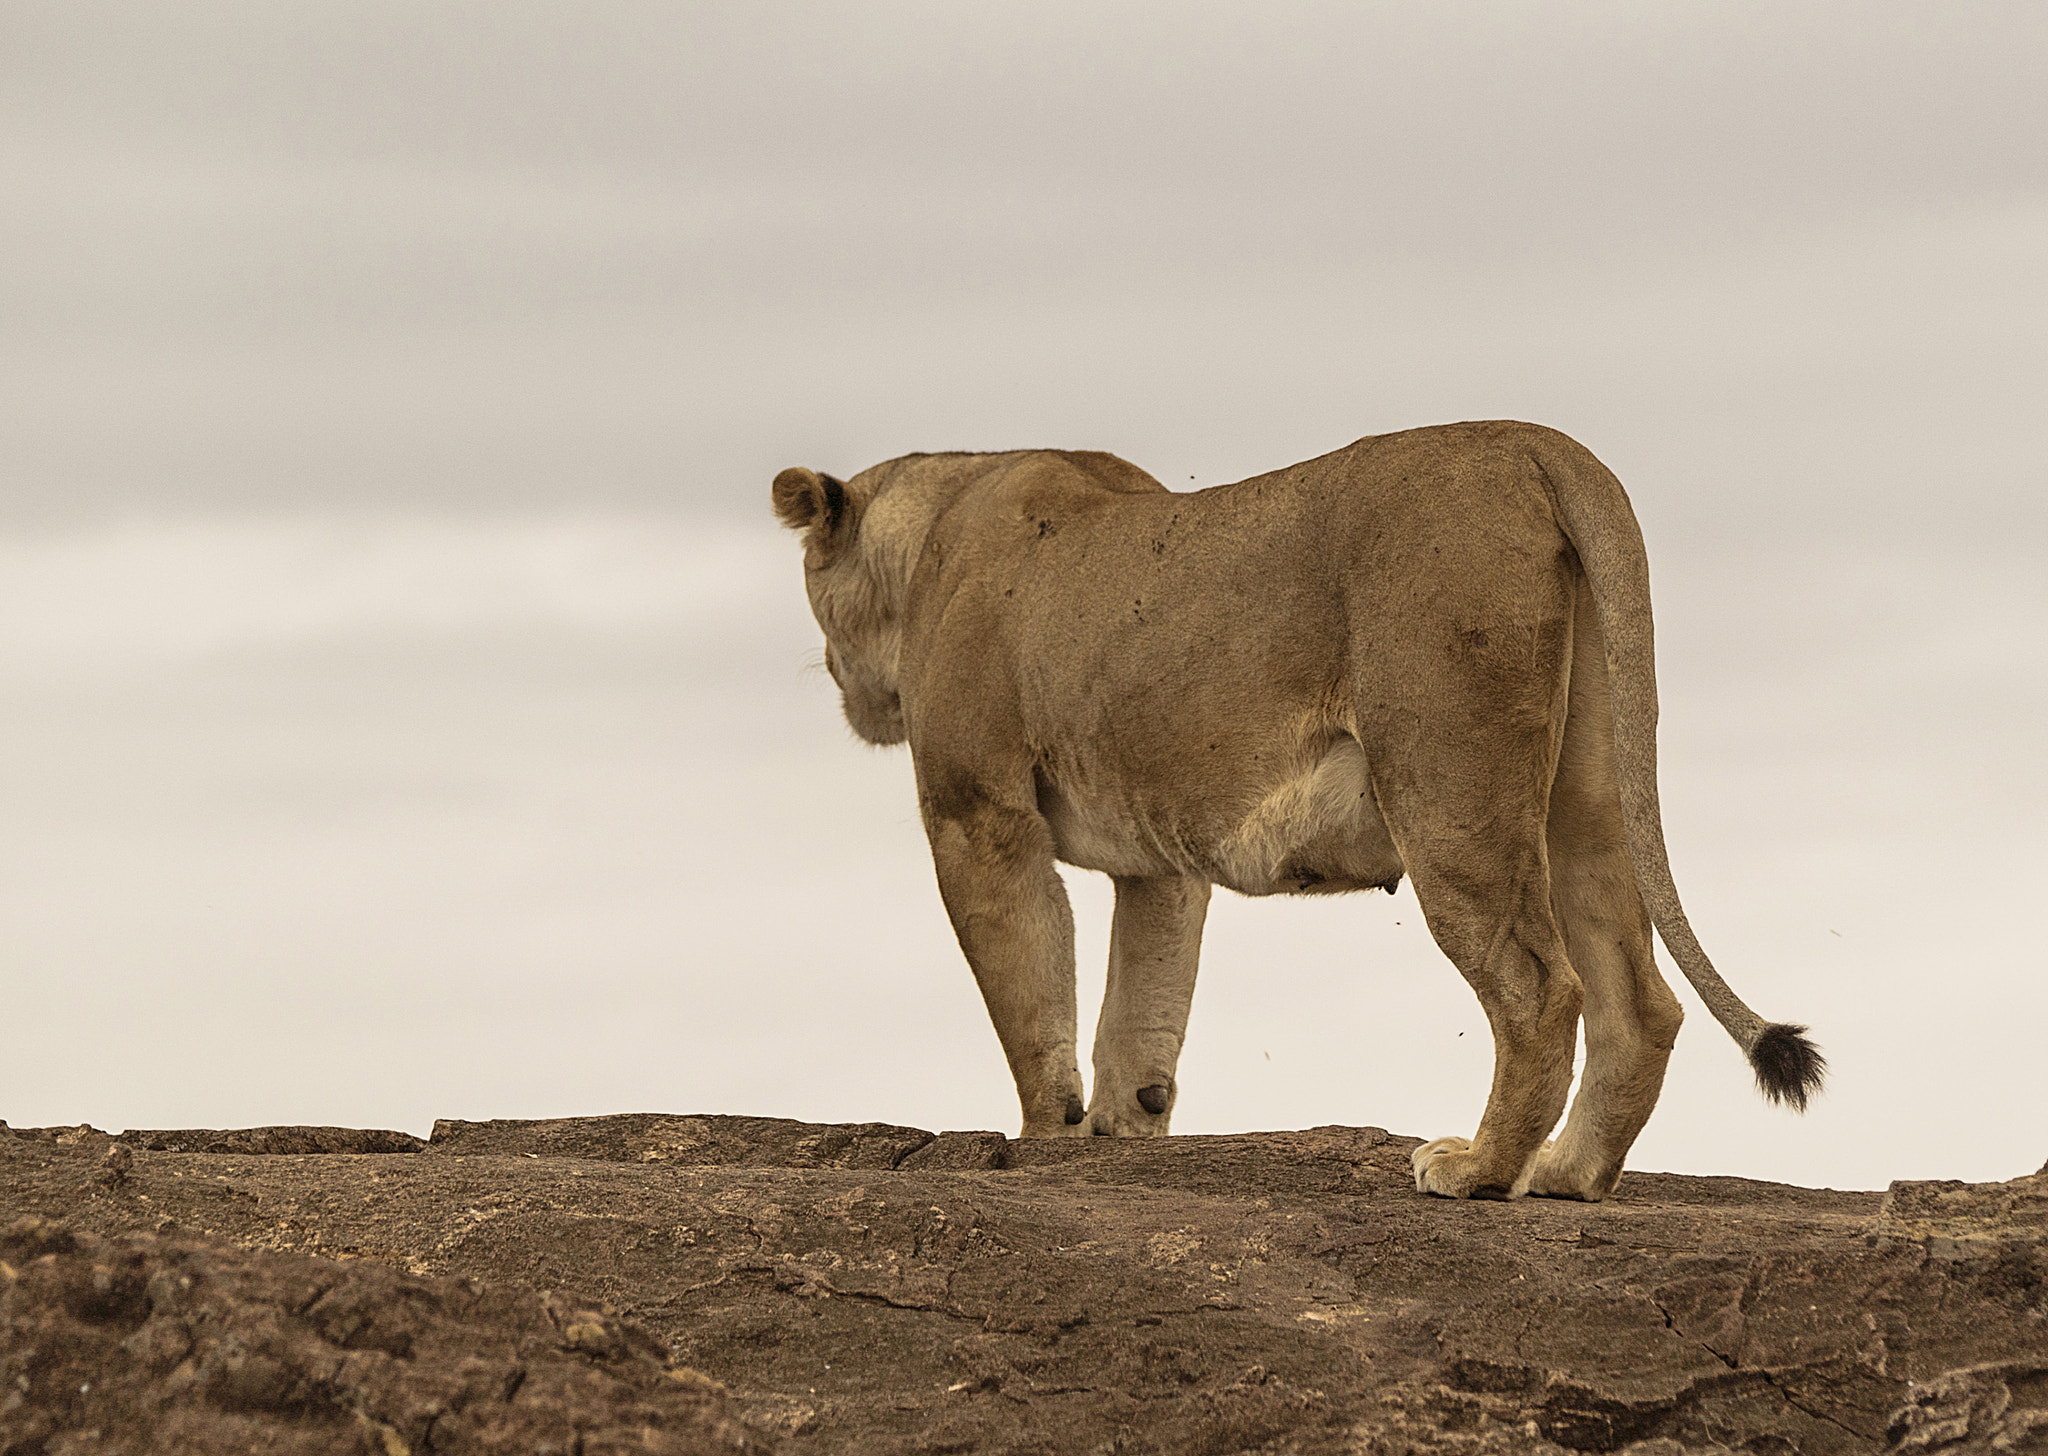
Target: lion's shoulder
[1111, 471]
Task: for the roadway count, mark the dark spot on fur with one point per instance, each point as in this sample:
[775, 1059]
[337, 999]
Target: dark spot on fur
[1305, 878]
[1075, 1111]
[1152, 1099]
[953, 795]
[1477, 639]
[1047, 528]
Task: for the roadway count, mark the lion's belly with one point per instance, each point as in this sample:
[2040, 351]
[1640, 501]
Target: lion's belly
[1095, 833]
[1314, 831]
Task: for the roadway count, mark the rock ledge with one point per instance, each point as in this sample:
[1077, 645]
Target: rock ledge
[707, 1283]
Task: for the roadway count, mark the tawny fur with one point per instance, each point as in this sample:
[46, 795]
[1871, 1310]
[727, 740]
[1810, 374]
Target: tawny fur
[1427, 653]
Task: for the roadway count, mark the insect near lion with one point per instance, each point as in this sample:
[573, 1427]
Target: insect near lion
[1425, 653]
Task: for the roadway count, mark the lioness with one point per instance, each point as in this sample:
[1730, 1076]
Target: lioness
[1426, 652]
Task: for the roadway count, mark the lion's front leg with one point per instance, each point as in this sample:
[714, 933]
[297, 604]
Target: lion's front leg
[1155, 942]
[1010, 912]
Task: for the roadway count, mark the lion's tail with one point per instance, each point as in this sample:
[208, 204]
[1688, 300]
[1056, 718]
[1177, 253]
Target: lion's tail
[1602, 527]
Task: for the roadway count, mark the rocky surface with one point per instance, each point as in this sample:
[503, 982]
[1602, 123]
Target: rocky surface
[144, 1343]
[729, 1284]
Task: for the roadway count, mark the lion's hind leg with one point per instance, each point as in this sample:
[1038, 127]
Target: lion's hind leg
[1631, 1017]
[1461, 714]
[1472, 842]
[1505, 944]
[1631, 1021]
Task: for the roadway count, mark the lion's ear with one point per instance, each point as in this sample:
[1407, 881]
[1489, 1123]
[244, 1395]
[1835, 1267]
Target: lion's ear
[804, 500]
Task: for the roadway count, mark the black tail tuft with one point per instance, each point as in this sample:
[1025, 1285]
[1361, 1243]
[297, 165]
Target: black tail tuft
[1789, 1068]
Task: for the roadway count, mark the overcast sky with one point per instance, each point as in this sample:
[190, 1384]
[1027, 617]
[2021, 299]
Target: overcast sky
[403, 703]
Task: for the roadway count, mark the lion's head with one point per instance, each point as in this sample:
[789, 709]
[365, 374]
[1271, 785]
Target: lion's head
[854, 594]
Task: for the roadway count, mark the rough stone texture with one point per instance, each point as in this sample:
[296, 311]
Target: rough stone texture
[148, 1344]
[878, 1289]
[274, 1140]
[711, 1142]
[236, 1140]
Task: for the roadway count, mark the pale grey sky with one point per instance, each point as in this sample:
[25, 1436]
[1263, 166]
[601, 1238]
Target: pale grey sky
[509, 252]
[402, 706]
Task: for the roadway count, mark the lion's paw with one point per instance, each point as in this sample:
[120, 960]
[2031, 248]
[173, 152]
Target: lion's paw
[1052, 1129]
[1423, 1156]
[1561, 1175]
[1057, 1117]
[1447, 1168]
[1144, 1113]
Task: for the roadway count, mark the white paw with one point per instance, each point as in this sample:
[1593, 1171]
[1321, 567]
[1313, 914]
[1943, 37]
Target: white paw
[1450, 1168]
[1423, 1156]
